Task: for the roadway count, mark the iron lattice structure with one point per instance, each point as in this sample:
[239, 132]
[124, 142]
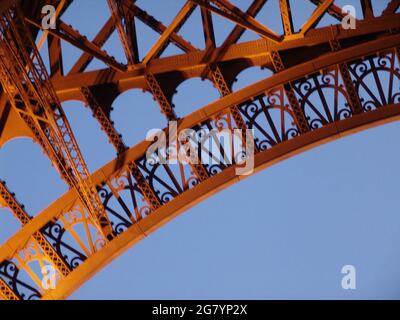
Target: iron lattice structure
[320, 90]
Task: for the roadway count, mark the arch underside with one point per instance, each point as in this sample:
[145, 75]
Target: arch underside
[319, 87]
[108, 84]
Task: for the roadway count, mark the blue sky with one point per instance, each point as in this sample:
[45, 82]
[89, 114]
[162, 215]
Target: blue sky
[283, 233]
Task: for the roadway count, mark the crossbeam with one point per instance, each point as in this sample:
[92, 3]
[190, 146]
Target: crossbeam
[26, 82]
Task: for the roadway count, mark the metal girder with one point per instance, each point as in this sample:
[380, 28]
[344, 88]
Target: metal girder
[6, 292]
[334, 10]
[286, 17]
[116, 140]
[299, 143]
[302, 61]
[45, 35]
[392, 7]
[158, 26]
[299, 115]
[181, 17]
[147, 191]
[220, 83]
[99, 40]
[160, 97]
[67, 33]
[104, 121]
[72, 36]
[167, 110]
[8, 200]
[316, 16]
[19, 212]
[24, 79]
[55, 56]
[125, 24]
[230, 12]
[237, 31]
[367, 10]
[208, 28]
[228, 7]
[351, 91]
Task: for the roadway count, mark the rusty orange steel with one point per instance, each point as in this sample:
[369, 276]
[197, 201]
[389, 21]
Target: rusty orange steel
[319, 90]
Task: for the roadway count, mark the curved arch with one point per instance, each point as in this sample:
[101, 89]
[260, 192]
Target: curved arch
[193, 93]
[82, 121]
[12, 127]
[134, 113]
[116, 176]
[250, 75]
[321, 95]
[227, 177]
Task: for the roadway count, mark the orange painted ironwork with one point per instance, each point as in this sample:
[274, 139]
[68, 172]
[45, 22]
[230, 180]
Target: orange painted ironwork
[318, 92]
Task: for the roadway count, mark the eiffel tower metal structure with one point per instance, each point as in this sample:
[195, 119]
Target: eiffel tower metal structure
[327, 82]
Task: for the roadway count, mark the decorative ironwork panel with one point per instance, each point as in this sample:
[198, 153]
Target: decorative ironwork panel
[74, 236]
[323, 98]
[21, 285]
[123, 201]
[377, 80]
[297, 102]
[168, 179]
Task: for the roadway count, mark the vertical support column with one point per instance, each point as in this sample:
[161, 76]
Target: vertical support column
[351, 91]
[299, 115]
[208, 28]
[160, 97]
[26, 82]
[167, 110]
[116, 140]
[222, 86]
[125, 25]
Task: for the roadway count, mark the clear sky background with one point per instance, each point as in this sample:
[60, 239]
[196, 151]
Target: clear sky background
[284, 233]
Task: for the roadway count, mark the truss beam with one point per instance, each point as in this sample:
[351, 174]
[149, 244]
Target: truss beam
[298, 112]
[158, 26]
[194, 63]
[286, 17]
[25, 80]
[68, 34]
[116, 140]
[316, 94]
[355, 103]
[99, 40]
[230, 12]
[334, 10]
[392, 7]
[167, 110]
[316, 16]
[181, 17]
[125, 24]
